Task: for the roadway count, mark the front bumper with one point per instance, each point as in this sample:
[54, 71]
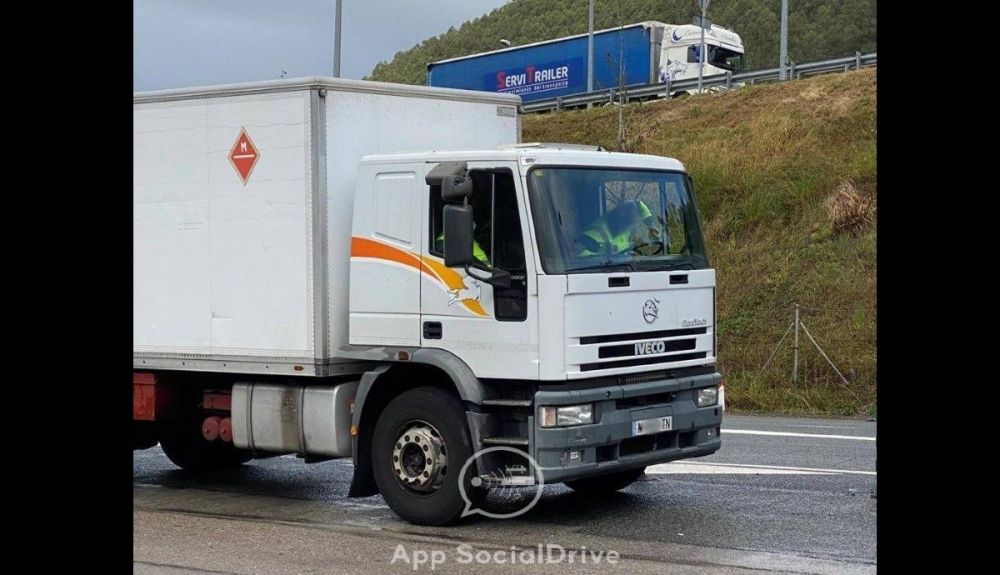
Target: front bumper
[608, 446]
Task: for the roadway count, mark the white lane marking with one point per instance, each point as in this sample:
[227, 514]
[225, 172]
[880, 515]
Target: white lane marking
[745, 469]
[681, 468]
[814, 426]
[791, 434]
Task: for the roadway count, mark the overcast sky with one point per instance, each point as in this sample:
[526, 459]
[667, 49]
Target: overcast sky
[180, 43]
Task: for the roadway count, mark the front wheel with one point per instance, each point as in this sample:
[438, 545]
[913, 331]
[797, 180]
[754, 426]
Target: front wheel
[419, 446]
[606, 483]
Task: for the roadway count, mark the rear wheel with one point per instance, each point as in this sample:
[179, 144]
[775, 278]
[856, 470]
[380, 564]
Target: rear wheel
[184, 445]
[143, 435]
[606, 483]
[419, 446]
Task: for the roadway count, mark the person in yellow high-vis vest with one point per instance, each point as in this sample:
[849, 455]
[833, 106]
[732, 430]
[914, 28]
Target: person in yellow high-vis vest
[477, 250]
[611, 233]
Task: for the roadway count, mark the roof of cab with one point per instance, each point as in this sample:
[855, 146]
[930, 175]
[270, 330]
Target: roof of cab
[536, 154]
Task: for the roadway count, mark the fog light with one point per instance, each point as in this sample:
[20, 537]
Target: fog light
[708, 396]
[566, 415]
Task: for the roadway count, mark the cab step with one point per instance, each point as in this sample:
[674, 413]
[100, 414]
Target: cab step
[507, 402]
[492, 481]
[505, 441]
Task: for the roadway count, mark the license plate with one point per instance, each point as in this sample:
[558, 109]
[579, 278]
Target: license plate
[652, 425]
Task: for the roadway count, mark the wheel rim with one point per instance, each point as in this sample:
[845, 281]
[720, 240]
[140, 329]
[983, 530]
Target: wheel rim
[420, 457]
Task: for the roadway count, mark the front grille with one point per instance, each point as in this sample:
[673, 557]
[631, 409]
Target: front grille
[643, 361]
[647, 443]
[644, 400]
[643, 377]
[634, 445]
[629, 349]
[592, 339]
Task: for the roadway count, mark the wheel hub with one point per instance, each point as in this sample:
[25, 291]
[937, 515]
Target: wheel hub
[419, 457]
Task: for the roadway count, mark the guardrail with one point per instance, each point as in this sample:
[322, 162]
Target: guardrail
[716, 81]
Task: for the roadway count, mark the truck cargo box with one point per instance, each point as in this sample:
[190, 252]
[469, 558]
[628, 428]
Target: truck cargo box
[242, 202]
[627, 55]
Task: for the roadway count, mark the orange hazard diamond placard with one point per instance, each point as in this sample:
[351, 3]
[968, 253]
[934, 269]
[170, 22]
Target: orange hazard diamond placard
[244, 155]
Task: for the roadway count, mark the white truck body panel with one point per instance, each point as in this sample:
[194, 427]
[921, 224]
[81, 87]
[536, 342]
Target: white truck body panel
[254, 277]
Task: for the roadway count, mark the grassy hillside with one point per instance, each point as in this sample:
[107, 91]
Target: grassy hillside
[785, 179]
[816, 29]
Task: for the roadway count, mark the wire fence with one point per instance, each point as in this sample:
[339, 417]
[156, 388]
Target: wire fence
[806, 358]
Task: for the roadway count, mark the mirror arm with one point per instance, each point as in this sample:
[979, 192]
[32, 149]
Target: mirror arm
[501, 279]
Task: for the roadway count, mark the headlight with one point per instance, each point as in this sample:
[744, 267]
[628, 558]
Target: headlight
[565, 415]
[708, 396]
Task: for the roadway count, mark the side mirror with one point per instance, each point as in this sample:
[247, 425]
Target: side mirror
[456, 188]
[457, 233]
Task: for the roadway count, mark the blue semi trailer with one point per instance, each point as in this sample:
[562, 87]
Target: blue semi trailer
[637, 54]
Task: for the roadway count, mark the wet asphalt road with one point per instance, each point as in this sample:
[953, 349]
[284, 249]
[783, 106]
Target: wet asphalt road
[783, 494]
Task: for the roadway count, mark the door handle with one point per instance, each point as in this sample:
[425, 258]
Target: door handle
[432, 330]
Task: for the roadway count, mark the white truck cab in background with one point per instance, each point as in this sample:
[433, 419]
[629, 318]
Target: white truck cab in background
[336, 268]
[681, 48]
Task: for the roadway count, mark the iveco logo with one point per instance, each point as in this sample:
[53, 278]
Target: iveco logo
[650, 347]
[650, 310]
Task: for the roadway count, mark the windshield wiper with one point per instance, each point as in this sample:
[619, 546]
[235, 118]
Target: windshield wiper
[666, 265]
[606, 265]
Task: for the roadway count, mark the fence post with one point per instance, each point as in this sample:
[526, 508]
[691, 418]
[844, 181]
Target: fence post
[791, 71]
[857, 59]
[668, 86]
[795, 364]
[729, 79]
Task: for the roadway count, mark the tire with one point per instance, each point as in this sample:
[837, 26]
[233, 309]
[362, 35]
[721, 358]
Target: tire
[426, 411]
[185, 447]
[606, 483]
[143, 435]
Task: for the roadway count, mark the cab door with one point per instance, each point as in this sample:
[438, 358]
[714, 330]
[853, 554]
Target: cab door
[492, 329]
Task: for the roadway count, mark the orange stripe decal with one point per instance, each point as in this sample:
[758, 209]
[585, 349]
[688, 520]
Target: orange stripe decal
[453, 280]
[435, 270]
[365, 248]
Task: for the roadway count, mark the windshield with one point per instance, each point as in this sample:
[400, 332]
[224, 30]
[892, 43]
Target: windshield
[597, 219]
[725, 58]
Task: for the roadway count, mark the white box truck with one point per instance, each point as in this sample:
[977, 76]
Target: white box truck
[338, 268]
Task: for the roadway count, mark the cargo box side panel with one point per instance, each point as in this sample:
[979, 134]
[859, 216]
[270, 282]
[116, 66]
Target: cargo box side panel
[171, 233]
[223, 267]
[358, 124]
[552, 69]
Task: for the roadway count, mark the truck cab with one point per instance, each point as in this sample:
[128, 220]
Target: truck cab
[681, 49]
[583, 332]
